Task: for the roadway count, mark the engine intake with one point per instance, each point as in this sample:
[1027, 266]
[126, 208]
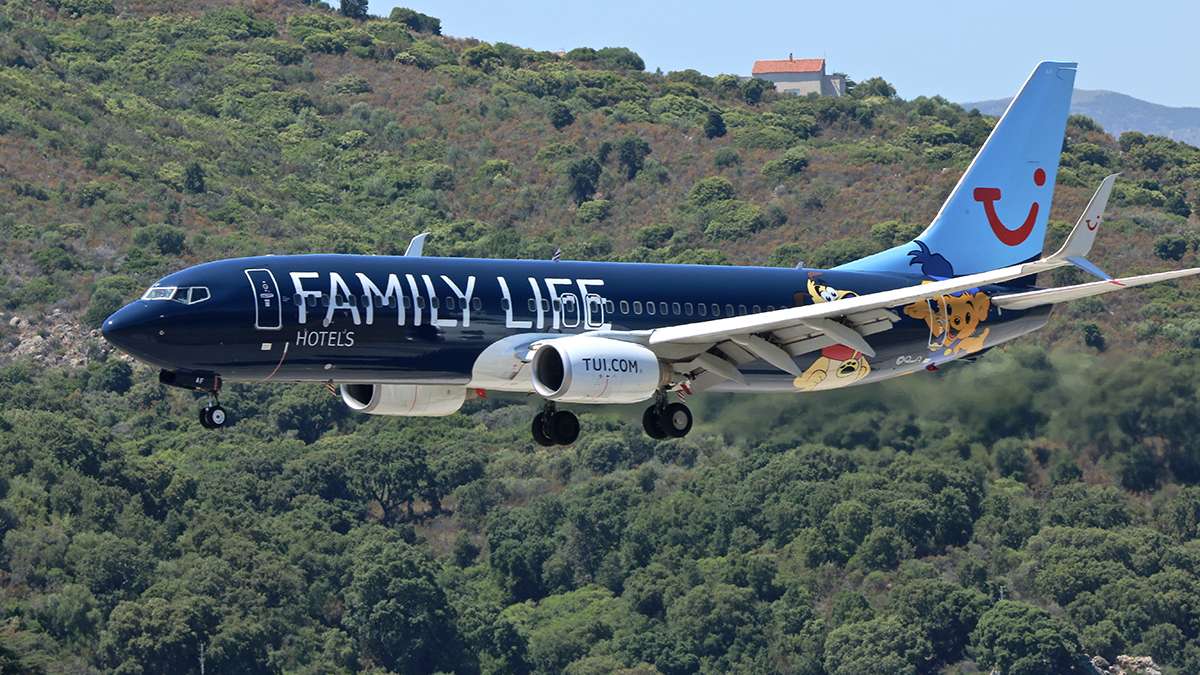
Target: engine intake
[586, 369]
[404, 400]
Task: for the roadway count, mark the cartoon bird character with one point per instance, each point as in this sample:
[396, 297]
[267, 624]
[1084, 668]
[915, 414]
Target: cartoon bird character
[933, 265]
[837, 366]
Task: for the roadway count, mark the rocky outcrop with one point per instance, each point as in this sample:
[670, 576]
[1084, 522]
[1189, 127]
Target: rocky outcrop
[1126, 665]
[56, 339]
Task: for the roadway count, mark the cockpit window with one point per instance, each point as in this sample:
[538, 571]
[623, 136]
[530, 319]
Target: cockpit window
[187, 295]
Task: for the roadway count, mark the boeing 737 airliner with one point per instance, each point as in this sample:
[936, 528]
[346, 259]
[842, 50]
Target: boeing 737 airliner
[413, 334]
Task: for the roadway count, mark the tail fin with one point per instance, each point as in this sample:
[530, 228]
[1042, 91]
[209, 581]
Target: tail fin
[996, 216]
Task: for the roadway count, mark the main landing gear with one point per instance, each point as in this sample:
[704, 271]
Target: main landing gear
[667, 420]
[555, 427]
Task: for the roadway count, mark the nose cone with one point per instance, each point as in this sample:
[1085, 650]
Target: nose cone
[132, 329]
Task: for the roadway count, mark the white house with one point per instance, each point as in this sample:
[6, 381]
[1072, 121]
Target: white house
[800, 76]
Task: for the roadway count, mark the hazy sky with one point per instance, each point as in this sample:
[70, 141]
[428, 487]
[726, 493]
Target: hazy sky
[964, 50]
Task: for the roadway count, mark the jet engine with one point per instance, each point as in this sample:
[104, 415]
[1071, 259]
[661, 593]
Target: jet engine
[405, 400]
[587, 369]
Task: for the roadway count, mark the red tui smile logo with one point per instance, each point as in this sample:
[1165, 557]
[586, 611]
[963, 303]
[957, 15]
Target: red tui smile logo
[1014, 237]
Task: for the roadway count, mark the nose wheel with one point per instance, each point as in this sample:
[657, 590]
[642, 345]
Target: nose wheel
[555, 427]
[213, 417]
[667, 420]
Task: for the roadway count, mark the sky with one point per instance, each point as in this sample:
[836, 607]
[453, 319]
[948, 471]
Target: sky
[965, 51]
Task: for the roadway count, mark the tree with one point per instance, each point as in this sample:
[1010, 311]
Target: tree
[631, 154]
[583, 176]
[753, 89]
[1019, 639]
[354, 9]
[193, 178]
[883, 646]
[560, 115]
[397, 610]
[875, 86]
[714, 125]
[1170, 247]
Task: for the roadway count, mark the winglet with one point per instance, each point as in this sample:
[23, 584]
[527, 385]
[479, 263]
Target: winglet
[417, 245]
[1079, 242]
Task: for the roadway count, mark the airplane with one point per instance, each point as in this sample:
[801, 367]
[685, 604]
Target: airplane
[414, 335]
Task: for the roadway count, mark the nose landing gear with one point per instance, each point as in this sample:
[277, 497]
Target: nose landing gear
[555, 427]
[212, 416]
[667, 420]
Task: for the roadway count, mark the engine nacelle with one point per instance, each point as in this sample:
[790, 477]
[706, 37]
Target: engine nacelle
[405, 400]
[586, 369]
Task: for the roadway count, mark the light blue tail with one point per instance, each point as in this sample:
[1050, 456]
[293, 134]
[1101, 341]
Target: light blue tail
[996, 215]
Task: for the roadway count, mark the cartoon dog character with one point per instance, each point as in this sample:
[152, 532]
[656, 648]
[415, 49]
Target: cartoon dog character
[837, 366]
[958, 316]
[823, 293]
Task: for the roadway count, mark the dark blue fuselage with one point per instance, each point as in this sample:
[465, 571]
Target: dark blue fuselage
[387, 319]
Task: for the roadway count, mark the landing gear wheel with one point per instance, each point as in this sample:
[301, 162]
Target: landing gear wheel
[675, 420]
[213, 417]
[541, 430]
[564, 427]
[650, 423]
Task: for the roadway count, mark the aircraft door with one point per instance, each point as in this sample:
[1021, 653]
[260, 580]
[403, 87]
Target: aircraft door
[570, 310]
[268, 312]
[595, 311]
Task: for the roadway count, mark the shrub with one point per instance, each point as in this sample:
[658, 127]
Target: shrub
[350, 84]
[714, 125]
[631, 155]
[793, 161]
[726, 157]
[593, 211]
[709, 190]
[161, 238]
[1170, 247]
[731, 220]
[421, 23]
[560, 115]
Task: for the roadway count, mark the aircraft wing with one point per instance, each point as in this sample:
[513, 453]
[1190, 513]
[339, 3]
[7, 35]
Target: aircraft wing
[829, 317]
[1048, 296]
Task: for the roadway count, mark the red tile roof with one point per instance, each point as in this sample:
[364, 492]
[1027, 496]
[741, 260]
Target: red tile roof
[765, 66]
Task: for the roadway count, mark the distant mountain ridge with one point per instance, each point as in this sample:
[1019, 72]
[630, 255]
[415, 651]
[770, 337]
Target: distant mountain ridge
[1118, 113]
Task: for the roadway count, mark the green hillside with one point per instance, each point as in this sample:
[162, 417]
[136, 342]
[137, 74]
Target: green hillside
[1021, 513]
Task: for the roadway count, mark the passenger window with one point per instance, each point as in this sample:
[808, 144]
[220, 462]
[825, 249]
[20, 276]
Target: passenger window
[756, 309]
[624, 306]
[450, 303]
[505, 304]
[433, 302]
[650, 308]
[545, 305]
[324, 300]
[407, 302]
[532, 305]
[476, 304]
[557, 305]
[421, 302]
[609, 307]
[741, 310]
[716, 309]
[676, 308]
[702, 309]
[687, 308]
[637, 307]
[729, 310]
[662, 308]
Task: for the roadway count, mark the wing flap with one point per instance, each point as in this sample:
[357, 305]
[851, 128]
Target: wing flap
[1049, 296]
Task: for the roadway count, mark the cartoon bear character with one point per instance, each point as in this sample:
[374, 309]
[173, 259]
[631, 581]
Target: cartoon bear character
[837, 366]
[823, 293]
[966, 312]
[962, 312]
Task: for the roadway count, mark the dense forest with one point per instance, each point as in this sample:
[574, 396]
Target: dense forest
[1023, 513]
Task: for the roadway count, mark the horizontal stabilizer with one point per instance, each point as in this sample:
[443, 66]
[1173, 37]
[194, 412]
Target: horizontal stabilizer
[1050, 296]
